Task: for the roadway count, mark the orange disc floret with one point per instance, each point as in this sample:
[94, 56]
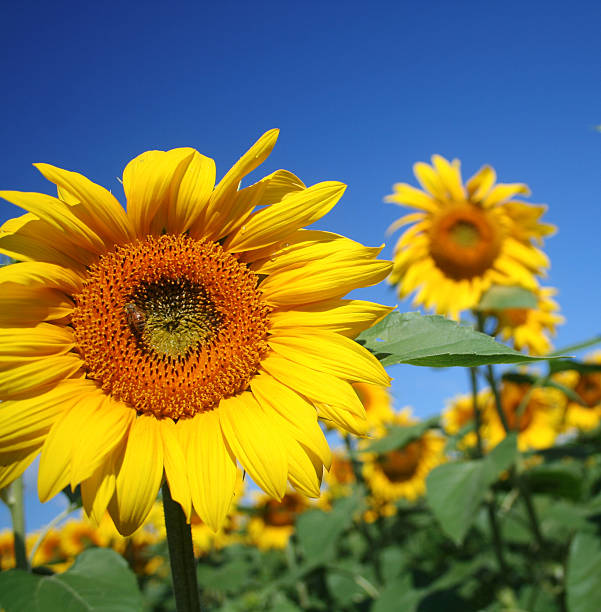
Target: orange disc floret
[184, 315]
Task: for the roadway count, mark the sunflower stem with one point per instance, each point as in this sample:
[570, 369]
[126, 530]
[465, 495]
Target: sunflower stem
[355, 463]
[181, 555]
[16, 504]
[491, 503]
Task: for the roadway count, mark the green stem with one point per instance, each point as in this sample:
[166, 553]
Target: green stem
[356, 465]
[518, 481]
[46, 530]
[16, 506]
[181, 555]
[301, 587]
[491, 503]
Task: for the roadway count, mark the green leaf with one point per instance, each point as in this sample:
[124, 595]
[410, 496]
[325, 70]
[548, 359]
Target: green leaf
[398, 595]
[318, 531]
[499, 297]
[99, 580]
[455, 490]
[399, 437]
[556, 479]
[229, 577]
[583, 579]
[432, 340]
[584, 367]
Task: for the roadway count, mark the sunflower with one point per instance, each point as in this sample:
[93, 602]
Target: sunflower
[586, 415]
[402, 473]
[199, 328]
[534, 412]
[463, 239]
[274, 522]
[459, 413]
[530, 328]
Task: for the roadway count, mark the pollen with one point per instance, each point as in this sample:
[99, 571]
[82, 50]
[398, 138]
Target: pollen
[171, 325]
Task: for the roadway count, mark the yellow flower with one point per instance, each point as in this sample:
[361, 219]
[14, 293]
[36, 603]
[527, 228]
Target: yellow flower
[530, 328]
[588, 387]
[7, 550]
[402, 473]
[459, 412]
[463, 239]
[274, 523]
[537, 425]
[201, 327]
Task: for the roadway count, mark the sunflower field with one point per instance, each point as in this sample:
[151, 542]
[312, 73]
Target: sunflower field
[195, 380]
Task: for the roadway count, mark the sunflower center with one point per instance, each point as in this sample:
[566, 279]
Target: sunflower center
[465, 240]
[401, 465]
[283, 513]
[171, 325]
[589, 389]
[512, 397]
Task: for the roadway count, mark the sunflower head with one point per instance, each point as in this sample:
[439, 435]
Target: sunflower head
[199, 327]
[464, 238]
[401, 473]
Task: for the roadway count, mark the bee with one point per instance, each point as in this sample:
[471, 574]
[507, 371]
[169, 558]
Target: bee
[136, 318]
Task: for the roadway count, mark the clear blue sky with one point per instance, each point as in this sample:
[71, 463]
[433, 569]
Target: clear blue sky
[360, 92]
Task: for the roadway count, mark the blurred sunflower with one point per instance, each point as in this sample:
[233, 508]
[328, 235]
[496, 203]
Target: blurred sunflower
[7, 550]
[274, 522]
[459, 413]
[534, 412]
[463, 239]
[530, 328]
[201, 327]
[585, 416]
[402, 473]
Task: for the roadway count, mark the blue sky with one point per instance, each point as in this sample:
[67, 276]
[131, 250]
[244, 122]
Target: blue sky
[360, 92]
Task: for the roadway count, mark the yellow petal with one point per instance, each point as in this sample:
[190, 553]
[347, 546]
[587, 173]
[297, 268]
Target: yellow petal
[24, 424]
[480, 184]
[102, 428]
[176, 467]
[410, 196]
[211, 467]
[316, 386]
[25, 343]
[347, 317]
[139, 476]
[63, 438]
[21, 305]
[255, 442]
[297, 415]
[98, 208]
[450, 176]
[57, 214]
[504, 191]
[223, 197]
[330, 353]
[302, 472]
[27, 238]
[267, 191]
[309, 245]
[193, 195]
[151, 181]
[41, 274]
[316, 282]
[343, 419]
[429, 180]
[21, 379]
[275, 222]
[98, 489]
[12, 471]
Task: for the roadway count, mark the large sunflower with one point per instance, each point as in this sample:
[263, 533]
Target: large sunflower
[463, 239]
[200, 328]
